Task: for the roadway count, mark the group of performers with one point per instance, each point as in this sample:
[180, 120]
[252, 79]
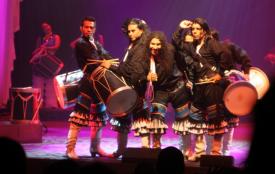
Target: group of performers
[188, 73]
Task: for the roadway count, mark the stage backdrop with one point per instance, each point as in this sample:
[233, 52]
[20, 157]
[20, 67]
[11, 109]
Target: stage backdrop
[249, 23]
[9, 23]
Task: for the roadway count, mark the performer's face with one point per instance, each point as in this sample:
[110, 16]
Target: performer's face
[134, 32]
[155, 46]
[88, 28]
[46, 28]
[197, 31]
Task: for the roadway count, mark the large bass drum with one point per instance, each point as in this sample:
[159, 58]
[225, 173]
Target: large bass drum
[119, 98]
[240, 96]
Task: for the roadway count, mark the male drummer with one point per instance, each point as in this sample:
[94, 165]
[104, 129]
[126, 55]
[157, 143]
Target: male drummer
[48, 44]
[88, 50]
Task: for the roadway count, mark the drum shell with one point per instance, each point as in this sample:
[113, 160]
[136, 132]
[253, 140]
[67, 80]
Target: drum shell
[119, 98]
[47, 66]
[24, 103]
[67, 88]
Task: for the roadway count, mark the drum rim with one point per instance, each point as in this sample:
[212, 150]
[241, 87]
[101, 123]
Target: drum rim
[240, 82]
[28, 89]
[230, 87]
[262, 72]
[123, 88]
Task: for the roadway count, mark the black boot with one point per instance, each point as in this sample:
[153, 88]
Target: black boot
[122, 139]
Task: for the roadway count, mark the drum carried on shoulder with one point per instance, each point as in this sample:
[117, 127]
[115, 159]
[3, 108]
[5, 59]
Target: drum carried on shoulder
[119, 98]
[46, 65]
[241, 95]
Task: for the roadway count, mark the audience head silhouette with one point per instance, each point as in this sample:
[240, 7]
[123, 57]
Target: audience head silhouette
[66, 166]
[170, 160]
[263, 112]
[97, 168]
[13, 156]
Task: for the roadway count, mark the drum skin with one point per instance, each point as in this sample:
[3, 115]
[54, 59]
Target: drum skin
[241, 95]
[259, 80]
[240, 98]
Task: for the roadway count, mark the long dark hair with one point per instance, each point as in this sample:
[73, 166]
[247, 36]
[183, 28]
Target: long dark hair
[204, 25]
[165, 53]
[141, 24]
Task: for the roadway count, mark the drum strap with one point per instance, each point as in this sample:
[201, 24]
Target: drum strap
[126, 54]
[152, 65]
[92, 41]
[149, 94]
[202, 60]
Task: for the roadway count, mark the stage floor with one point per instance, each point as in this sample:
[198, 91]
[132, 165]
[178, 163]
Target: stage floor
[55, 133]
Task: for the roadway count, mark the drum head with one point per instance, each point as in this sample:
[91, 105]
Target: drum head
[240, 98]
[122, 101]
[259, 80]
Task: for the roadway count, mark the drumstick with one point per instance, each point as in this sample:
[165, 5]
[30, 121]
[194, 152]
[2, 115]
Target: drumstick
[191, 89]
[113, 60]
[205, 82]
[35, 116]
[92, 62]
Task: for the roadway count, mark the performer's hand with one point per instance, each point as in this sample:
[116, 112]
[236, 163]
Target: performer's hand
[185, 24]
[216, 77]
[106, 64]
[189, 84]
[115, 61]
[188, 38]
[152, 76]
[246, 77]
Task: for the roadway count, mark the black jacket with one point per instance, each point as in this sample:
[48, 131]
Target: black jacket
[84, 51]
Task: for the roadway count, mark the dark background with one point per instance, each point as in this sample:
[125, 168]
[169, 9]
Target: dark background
[249, 23]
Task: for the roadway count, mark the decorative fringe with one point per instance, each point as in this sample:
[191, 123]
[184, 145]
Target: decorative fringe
[157, 126]
[141, 127]
[233, 121]
[196, 127]
[180, 127]
[83, 119]
[217, 127]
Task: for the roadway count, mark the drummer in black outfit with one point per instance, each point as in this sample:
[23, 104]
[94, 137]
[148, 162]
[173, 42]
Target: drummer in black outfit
[240, 61]
[87, 51]
[137, 31]
[157, 65]
[205, 68]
